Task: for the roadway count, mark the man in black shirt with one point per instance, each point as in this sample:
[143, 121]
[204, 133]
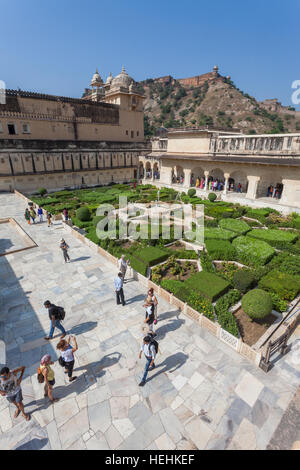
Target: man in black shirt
[54, 318]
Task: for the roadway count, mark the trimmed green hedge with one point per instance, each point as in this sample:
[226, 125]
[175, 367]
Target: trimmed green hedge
[252, 252]
[208, 284]
[226, 319]
[285, 285]
[272, 236]
[184, 254]
[235, 225]
[286, 263]
[257, 304]
[218, 234]
[220, 250]
[151, 255]
[243, 280]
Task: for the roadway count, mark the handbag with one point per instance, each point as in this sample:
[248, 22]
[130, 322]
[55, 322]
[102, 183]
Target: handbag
[61, 362]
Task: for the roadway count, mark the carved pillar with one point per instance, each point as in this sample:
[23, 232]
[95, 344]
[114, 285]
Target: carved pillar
[252, 186]
[226, 176]
[206, 174]
[187, 178]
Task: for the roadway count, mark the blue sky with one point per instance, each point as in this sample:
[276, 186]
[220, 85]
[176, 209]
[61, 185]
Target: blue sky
[54, 47]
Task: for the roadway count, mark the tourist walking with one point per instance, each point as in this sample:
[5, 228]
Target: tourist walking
[149, 348]
[149, 317]
[122, 265]
[56, 315]
[32, 214]
[66, 214]
[27, 216]
[48, 374]
[64, 248]
[67, 358]
[49, 218]
[118, 282]
[40, 214]
[153, 298]
[10, 388]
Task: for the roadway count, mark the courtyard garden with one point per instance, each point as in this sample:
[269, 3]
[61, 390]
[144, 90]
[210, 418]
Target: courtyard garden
[248, 268]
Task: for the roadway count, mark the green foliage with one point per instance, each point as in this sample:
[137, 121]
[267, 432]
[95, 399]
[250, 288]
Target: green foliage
[208, 284]
[210, 223]
[138, 265]
[226, 319]
[243, 280]
[235, 225]
[286, 263]
[185, 254]
[91, 235]
[97, 219]
[42, 191]
[286, 286]
[257, 304]
[220, 250]
[83, 214]
[206, 263]
[150, 255]
[81, 224]
[279, 304]
[212, 197]
[218, 234]
[272, 236]
[191, 192]
[252, 252]
[201, 304]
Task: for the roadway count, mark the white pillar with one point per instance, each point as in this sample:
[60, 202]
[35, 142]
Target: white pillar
[187, 178]
[252, 186]
[226, 176]
[206, 174]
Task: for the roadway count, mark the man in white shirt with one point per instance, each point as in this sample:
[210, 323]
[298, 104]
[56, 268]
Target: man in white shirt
[118, 282]
[148, 348]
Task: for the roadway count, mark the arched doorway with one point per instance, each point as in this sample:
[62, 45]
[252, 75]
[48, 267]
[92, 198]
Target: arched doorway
[238, 182]
[177, 175]
[270, 186]
[148, 170]
[216, 180]
[197, 178]
[156, 173]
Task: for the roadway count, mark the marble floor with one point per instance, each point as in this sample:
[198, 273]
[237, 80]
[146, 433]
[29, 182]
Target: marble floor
[202, 395]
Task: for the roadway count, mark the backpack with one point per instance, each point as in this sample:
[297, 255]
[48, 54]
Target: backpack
[40, 376]
[60, 313]
[155, 344]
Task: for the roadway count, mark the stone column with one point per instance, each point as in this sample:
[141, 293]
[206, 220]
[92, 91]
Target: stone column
[226, 176]
[152, 172]
[206, 174]
[252, 187]
[187, 178]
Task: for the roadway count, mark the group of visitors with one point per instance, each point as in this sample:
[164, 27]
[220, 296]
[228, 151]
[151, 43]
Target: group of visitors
[275, 191]
[214, 184]
[179, 179]
[31, 214]
[10, 381]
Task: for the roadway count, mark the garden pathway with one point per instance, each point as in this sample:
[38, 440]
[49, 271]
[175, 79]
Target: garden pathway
[201, 395]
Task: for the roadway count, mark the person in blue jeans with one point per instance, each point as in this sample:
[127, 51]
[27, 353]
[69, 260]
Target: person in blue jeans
[54, 318]
[148, 349]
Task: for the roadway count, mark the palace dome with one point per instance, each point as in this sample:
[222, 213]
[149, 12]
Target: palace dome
[122, 80]
[96, 80]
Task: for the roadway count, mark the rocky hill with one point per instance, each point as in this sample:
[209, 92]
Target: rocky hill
[211, 100]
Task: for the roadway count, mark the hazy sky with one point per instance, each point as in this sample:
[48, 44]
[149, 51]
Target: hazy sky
[55, 46]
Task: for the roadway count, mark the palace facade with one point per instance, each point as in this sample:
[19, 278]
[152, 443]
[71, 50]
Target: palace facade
[58, 142]
[243, 168]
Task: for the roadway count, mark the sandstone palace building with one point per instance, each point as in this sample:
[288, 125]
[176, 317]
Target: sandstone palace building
[57, 142]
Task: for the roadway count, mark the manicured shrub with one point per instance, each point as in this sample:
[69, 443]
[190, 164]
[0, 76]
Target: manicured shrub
[252, 252]
[91, 235]
[191, 192]
[208, 285]
[80, 224]
[235, 225]
[218, 234]
[42, 191]
[279, 304]
[296, 223]
[243, 280]
[83, 214]
[177, 288]
[151, 255]
[220, 250]
[257, 304]
[273, 236]
[212, 197]
[185, 254]
[138, 265]
[285, 285]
